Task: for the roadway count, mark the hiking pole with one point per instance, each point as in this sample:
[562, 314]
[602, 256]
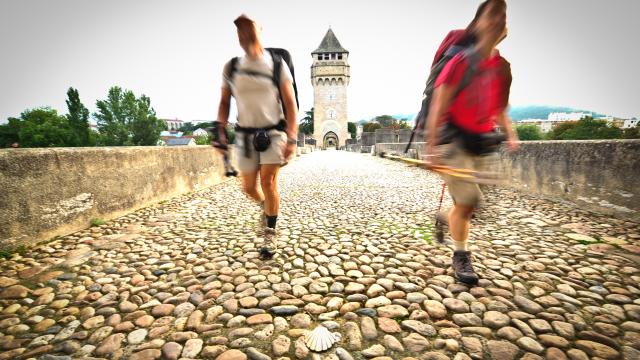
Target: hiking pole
[220, 143]
[470, 175]
[228, 168]
[439, 225]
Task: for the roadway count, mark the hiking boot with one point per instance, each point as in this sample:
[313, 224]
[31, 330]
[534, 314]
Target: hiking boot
[462, 267]
[269, 245]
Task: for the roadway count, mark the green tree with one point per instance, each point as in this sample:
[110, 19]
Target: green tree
[306, 123]
[203, 140]
[78, 118]
[386, 121]
[632, 133]
[44, 127]
[113, 117]
[528, 132]
[389, 122]
[187, 128]
[145, 125]
[586, 129]
[557, 132]
[124, 120]
[231, 134]
[351, 127]
[10, 132]
[371, 127]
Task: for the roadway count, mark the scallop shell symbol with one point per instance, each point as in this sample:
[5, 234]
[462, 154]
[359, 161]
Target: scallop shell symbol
[320, 339]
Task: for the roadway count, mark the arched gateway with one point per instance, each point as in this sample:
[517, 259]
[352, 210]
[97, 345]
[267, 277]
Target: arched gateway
[330, 140]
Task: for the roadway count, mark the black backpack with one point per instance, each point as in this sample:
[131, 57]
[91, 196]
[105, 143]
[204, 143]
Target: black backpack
[278, 55]
[421, 119]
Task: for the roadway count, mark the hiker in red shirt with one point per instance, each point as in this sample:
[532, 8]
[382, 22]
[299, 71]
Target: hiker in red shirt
[462, 119]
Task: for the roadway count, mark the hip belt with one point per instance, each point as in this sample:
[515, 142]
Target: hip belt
[261, 139]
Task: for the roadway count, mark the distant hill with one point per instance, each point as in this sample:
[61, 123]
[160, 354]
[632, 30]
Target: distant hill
[409, 118]
[518, 113]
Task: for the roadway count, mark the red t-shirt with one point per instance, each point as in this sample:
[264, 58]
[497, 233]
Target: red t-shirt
[478, 105]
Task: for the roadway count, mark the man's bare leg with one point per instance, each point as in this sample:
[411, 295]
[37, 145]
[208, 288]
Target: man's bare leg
[250, 186]
[459, 219]
[269, 185]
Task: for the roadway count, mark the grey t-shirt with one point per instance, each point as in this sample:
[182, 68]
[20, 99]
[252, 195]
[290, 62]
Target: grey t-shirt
[257, 98]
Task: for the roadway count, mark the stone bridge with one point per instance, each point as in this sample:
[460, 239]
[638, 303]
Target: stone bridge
[181, 279]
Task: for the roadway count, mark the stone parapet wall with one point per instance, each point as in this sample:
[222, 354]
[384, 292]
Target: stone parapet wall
[385, 136]
[416, 151]
[601, 175]
[56, 191]
[368, 139]
[598, 174]
[359, 148]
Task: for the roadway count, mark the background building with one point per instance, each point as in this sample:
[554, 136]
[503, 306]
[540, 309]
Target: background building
[330, 73]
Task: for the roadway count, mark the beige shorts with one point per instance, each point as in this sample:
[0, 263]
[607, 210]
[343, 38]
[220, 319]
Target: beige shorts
[273, 155]
[463, 191]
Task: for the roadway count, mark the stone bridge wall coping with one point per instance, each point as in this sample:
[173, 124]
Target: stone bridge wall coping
[600, 175]
[56, 191]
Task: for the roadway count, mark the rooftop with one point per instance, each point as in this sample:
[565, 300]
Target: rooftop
[330, 44]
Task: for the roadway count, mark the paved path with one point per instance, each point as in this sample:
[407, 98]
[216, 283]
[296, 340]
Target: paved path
[181, 279]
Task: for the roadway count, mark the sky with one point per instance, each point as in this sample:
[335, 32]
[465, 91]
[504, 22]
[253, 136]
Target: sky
[577, 53]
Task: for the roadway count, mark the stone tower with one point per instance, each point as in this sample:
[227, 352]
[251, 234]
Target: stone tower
[330, 74]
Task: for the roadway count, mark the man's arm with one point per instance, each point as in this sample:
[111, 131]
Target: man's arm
[223, 114]
[223, 107]
[504, 121]
[291, 111]
[442, 96]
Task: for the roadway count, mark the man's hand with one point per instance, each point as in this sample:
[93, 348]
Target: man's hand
[431, 157]
[512, 142]
[289, 150]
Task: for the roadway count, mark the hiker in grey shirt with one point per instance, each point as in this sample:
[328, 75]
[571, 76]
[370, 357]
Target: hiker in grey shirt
[266, 131]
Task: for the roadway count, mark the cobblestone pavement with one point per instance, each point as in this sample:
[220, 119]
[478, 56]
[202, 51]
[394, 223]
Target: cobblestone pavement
[182, 279]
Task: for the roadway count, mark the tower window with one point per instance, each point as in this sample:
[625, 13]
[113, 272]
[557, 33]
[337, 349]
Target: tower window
[339, 56]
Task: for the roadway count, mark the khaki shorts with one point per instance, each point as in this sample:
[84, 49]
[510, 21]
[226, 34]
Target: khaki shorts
[273, 155]
[462, 191]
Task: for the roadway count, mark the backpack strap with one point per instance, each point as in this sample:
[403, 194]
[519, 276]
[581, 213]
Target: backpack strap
[233, 68]
[277, 70]
[472, 58]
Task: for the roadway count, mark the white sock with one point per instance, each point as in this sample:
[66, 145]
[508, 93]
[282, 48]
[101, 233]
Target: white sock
[460, 245]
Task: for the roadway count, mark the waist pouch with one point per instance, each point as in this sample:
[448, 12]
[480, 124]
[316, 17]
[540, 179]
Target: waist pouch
[261, 138]
[474, 143]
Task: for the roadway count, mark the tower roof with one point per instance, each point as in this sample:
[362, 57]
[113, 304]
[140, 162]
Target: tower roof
[330, 44]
